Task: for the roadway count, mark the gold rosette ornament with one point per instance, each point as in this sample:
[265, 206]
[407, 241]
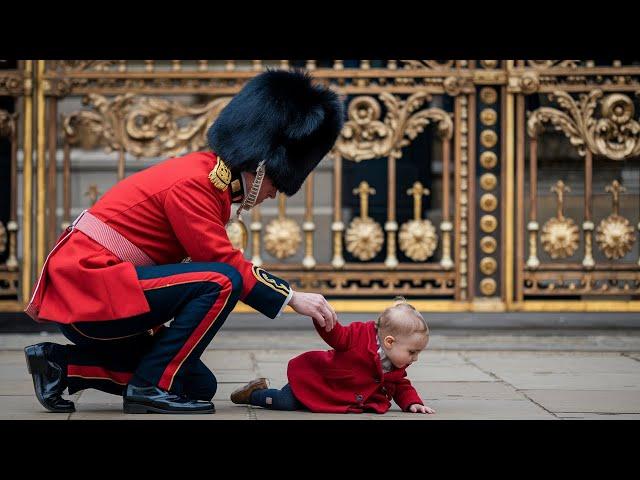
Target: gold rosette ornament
[560, 235]
[418, 238]
[615, 234]
[283, 235]
[364, 236]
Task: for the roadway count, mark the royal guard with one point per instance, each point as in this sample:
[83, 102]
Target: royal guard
[116, 282]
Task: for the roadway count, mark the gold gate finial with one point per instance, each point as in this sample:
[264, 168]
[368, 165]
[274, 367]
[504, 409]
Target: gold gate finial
[364, 190]
[559, 188]
[615, 188]
[417, 191]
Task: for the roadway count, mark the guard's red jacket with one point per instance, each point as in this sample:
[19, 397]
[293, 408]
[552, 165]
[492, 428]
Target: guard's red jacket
[170, 211]
[349, 379]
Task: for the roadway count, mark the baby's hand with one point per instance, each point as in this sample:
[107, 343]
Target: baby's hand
[417, 408]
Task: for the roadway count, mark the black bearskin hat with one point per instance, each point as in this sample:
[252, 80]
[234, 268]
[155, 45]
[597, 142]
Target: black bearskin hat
[282, 118]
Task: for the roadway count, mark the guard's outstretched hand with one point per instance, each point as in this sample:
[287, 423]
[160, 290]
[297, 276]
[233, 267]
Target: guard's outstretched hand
[315, 306]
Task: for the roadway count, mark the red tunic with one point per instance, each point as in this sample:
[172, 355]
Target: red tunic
[170, 211]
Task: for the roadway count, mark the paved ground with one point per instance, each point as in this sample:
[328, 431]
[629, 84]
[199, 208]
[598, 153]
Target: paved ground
[465, 374]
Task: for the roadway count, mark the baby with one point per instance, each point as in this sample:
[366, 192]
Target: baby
[363, 372]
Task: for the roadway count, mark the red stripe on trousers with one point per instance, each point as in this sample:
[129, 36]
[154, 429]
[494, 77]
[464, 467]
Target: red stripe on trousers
[92, 372]
[166, 380]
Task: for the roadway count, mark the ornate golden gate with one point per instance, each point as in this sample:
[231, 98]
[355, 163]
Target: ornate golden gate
[462, 184]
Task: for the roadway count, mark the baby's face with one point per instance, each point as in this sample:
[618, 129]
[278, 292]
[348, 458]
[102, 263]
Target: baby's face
[403, 350]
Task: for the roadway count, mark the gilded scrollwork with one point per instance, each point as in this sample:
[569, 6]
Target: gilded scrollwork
[143, 126]
[616, 134]
[553, 63]
[364, 136]
[79, 65]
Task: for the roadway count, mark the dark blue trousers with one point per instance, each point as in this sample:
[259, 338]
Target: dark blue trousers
[195, 298]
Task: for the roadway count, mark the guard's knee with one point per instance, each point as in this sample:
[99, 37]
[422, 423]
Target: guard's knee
[206, 387]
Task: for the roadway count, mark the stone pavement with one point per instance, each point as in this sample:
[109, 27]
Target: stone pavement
[464, 374]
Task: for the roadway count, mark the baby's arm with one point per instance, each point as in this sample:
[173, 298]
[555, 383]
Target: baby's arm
[408, 399]
[339, 338]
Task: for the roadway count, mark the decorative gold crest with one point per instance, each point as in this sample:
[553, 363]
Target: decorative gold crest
[220, 176]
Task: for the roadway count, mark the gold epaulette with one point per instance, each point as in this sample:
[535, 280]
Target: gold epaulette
[220, 176]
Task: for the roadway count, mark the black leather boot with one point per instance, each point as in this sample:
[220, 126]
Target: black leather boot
[152, 399]
[49, 377]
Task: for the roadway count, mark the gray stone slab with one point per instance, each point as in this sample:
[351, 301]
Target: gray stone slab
[471, 390]
[227, 360]
[276, 356]
[27, 407]
[17, 386]
[546, 362]
[12, 357]
[478, 409]
[433, 357]
[234, 376]
[587, 401]
[571, 381]
[14, 372]
[447, 373]
[224, 390]
[599, 416]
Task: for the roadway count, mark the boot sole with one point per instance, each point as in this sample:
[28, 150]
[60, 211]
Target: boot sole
[131, 407]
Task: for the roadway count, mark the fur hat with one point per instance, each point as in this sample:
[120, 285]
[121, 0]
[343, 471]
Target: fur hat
[282, 118]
